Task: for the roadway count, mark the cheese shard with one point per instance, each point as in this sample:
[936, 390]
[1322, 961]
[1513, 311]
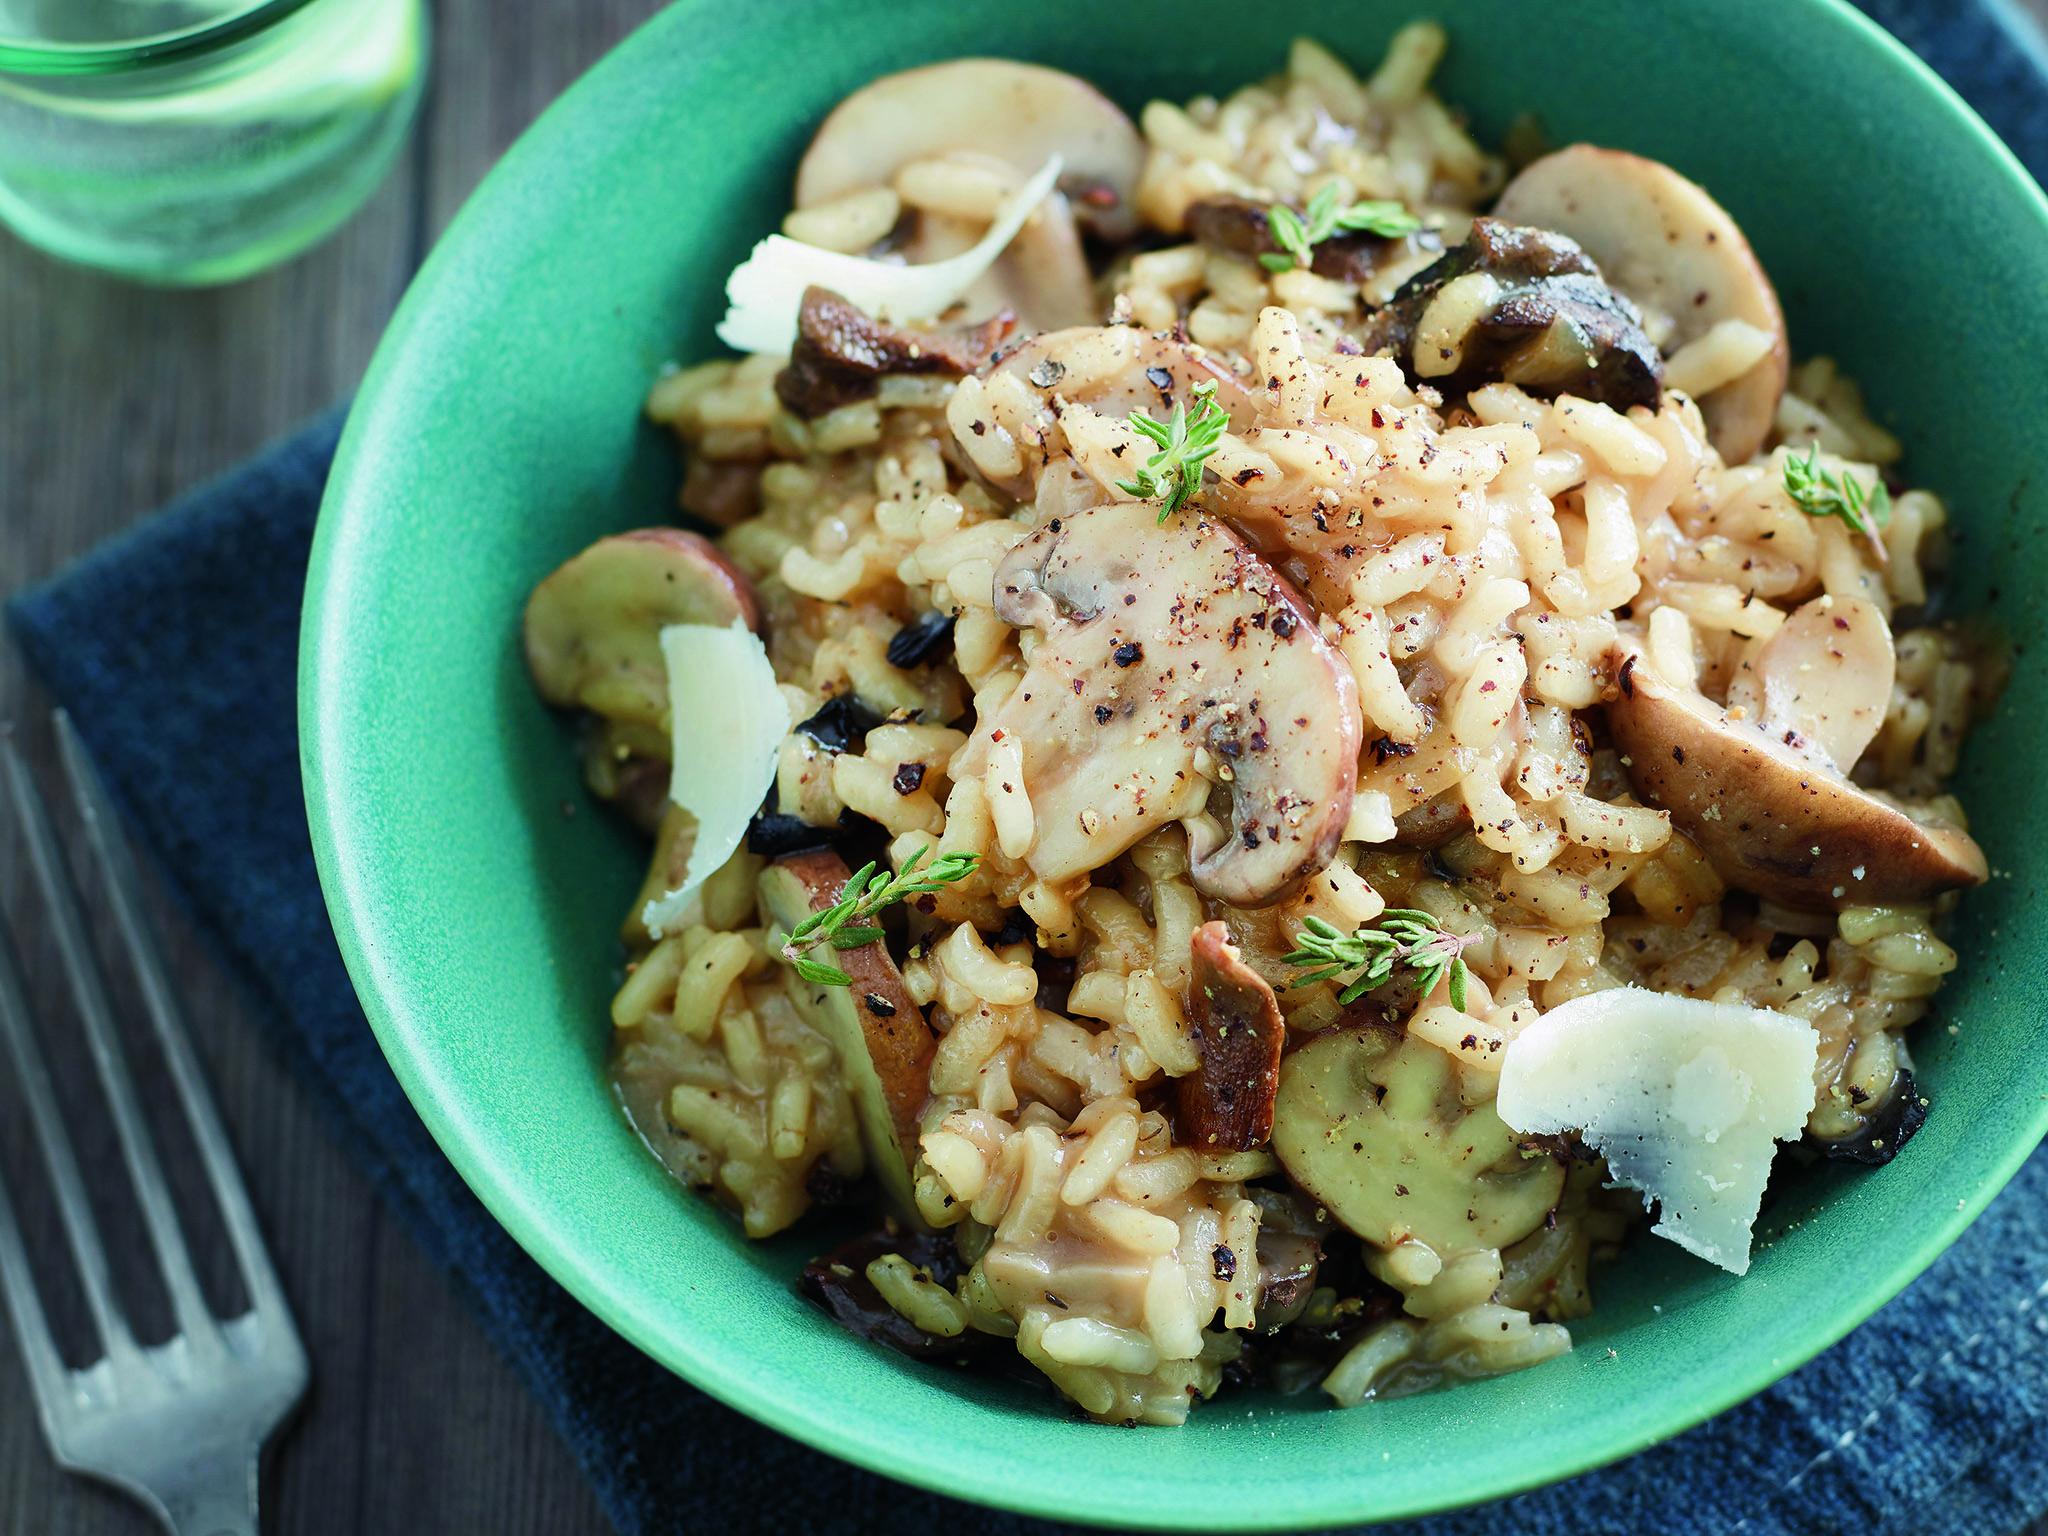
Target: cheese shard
[1686, 1099]
[727, 719]
[766, 291]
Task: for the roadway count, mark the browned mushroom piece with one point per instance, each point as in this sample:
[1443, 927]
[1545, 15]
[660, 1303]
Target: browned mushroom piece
[1761, 794]
[1661, 240]
[880, 1035]
[1522, 306]
[1018, 114]
[593, 627]
[1228, 1100]
[1156, 644]
[842, 352]
[1243, 227]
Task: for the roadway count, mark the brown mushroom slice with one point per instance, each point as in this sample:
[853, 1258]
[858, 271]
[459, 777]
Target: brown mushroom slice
[1020, 114]
[1113, 370]
[1228, 1100]
[1823, 682]
[842, 352]
[1524, 306]
[1773, 819]
[593, 628]
[880, 1035]
[1371, 1123]
[1157, 644]
[1664, 242]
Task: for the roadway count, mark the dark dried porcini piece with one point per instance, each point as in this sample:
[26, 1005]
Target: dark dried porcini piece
[1227, 1102]
[772, 835]
[1241, 227]
[927, 636]
[1540, 316]
[1878, 1139]
[842, 352]
[841, 724]
[1173, 632]
[838, 1282]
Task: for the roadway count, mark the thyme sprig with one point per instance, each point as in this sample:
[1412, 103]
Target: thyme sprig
[850, 922]
[1184, 444]
[1298, 234]
[1409, 938]
[1821, 492]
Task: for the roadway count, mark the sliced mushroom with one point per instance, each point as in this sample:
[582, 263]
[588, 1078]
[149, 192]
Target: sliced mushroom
[1112, 370]
[1020, 114]
[593, 628]
[1673, 250]
[841, 353]
[1823, 682]
[1775, 819]
[1371, 1123]
[883, 1043]
[1228, 1100]
[1156, 645]
[1524, 306]
[1243, 228]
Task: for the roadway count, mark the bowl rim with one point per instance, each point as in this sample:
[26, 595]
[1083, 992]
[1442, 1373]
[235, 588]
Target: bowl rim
[723, 1369]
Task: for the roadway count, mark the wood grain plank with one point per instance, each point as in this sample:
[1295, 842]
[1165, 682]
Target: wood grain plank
[117, 398]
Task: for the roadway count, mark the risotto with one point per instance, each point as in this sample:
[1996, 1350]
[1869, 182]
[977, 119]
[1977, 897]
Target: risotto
[1283, 723]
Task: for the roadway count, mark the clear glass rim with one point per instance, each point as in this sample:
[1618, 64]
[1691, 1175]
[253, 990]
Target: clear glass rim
[18, 56]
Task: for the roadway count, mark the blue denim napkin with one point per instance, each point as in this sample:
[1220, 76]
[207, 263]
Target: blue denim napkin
[1931, 1419]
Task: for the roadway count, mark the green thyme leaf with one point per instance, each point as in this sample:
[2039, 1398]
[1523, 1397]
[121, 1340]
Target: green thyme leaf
[1820, 492]
[821, 975]
[849, 922]
[1298, 234]
[1409, 938]
[1175, 470]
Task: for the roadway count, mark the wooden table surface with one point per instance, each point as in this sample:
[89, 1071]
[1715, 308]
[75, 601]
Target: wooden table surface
[113, 399]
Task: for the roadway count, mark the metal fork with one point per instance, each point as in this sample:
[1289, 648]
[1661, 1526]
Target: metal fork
[181, 1425]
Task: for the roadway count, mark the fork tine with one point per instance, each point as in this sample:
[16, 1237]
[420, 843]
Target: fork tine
[181, 1282]
[46, 1374]
[87, 1252]
[266, 1296]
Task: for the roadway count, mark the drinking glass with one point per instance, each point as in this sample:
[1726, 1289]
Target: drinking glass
[197, 141]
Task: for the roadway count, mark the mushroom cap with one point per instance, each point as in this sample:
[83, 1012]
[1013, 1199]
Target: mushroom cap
[1773, 819]
[1020, 114]
[1156, 643]
[593, 627]
[1670, 247]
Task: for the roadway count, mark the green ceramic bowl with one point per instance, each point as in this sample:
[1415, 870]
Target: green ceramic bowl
[499, 430]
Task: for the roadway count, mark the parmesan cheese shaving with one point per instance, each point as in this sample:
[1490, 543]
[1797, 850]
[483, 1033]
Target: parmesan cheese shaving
[727, 719]
[766, 290]
[1684, 1098]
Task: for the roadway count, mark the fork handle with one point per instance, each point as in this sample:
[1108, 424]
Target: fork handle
[213, 1497]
